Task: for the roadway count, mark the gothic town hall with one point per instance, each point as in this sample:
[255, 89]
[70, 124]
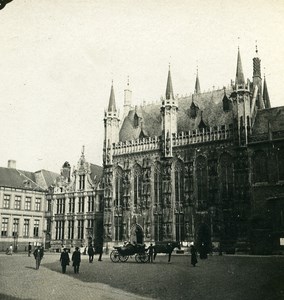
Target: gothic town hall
[207, 168]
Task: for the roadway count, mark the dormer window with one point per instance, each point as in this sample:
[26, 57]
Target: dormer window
[193, 110]
[136, 121]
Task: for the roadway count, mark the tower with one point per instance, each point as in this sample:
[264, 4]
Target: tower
[111, 125]
[257, 81]
[127, 100]
[241, 104]
[169, 110]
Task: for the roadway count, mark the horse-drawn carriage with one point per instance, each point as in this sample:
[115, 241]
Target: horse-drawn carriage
[122, 253]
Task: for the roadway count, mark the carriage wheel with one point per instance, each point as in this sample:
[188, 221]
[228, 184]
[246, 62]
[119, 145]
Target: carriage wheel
[123, 258]
[114, 256]
[141, 257]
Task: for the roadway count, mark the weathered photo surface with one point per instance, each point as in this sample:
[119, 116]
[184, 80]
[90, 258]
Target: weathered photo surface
[142, 149]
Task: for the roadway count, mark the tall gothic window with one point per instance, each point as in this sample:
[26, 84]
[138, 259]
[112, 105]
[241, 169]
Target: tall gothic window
[59, 230]
[118, 228]
[70, 229]
[118, 187]
[157, 184]
[137, 184]
[259, 166]
[226, 178]
[158, 227]
[201, 178]
[179, 201]
[80, 229]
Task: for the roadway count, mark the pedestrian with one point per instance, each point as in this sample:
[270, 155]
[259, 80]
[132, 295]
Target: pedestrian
[99, 249]
[151, 252]
[65, 260]
[76, 258]
[193, 254]
[91, 253]
[38, 255]
[10, 249]
[29, 249]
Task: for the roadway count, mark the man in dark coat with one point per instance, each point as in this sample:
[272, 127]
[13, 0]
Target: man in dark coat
[151, 252]
[76, 258]
[99, 248]
[29, 249]
[38, 255]
[193, 255]
[91, 253]
[65, 260]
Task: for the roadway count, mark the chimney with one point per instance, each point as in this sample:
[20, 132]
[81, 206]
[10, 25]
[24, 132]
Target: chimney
[11, 164]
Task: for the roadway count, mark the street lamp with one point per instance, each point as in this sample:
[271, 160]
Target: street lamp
[15, 241]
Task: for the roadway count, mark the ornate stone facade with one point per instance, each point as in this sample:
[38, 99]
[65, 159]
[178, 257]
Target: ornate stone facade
[191, 168]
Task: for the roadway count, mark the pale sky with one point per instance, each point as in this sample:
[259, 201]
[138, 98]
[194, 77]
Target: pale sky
[58, 58]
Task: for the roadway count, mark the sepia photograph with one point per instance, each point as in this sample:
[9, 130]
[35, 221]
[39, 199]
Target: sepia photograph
[142, 152]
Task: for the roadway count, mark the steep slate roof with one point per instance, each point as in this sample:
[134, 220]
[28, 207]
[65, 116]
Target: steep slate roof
[46, 178]
[209, 103]
[96, 173]
[273, 116]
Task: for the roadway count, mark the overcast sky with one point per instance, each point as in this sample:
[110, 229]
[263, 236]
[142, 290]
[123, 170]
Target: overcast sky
[58, 58]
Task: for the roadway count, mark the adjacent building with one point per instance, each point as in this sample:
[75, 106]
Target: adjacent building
[74, 215]
[22, 206]
[207, 168]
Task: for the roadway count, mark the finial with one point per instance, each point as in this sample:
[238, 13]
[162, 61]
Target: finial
[256, 50]
[83, 149]
[264, 72]
[238, 42]
[197, 68]
[128, 80]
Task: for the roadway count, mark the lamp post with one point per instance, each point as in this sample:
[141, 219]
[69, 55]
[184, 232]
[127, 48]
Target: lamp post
[15, 241]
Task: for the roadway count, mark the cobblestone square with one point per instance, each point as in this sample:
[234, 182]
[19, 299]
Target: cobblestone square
[218, 277]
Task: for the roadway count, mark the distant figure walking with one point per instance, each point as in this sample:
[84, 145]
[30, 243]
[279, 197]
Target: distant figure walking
[91, 253]
[151, 252]
[76, 258]
[65, 260]
[99, 249]
[193, 254]
[10, 252]
[38, 255]
[29, 249]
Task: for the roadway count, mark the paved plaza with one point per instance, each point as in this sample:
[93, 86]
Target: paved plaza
[218, 277]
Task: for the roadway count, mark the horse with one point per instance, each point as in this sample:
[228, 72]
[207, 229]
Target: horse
[166, 247]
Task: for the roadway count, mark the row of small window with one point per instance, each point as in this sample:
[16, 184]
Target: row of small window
[18, 200]
[15, 228]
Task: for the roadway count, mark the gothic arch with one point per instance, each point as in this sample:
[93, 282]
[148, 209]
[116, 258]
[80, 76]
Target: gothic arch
[137, 184]
[137, 234]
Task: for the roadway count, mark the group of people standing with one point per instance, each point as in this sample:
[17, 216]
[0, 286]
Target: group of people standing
[65, 260]
[76, 257]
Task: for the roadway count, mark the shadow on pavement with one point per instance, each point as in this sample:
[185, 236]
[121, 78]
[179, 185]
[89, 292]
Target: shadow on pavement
[7, 297]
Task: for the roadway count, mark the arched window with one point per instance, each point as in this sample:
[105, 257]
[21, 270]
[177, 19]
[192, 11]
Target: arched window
[179, 201]
[157, 184]
[259, 161]
[226, 178]
[118, 187]
[201, 178]
[137, 184]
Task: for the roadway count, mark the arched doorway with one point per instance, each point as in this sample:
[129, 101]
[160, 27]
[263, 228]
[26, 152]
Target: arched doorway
[137, 234]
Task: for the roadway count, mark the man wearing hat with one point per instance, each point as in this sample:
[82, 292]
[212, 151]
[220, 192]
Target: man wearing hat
[76, 258]
[65, 260]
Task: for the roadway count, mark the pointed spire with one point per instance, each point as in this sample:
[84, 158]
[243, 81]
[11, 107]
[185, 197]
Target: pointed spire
[169, 90]
[265, 95]
[111, 104]
[240, 79]
[197, 84]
